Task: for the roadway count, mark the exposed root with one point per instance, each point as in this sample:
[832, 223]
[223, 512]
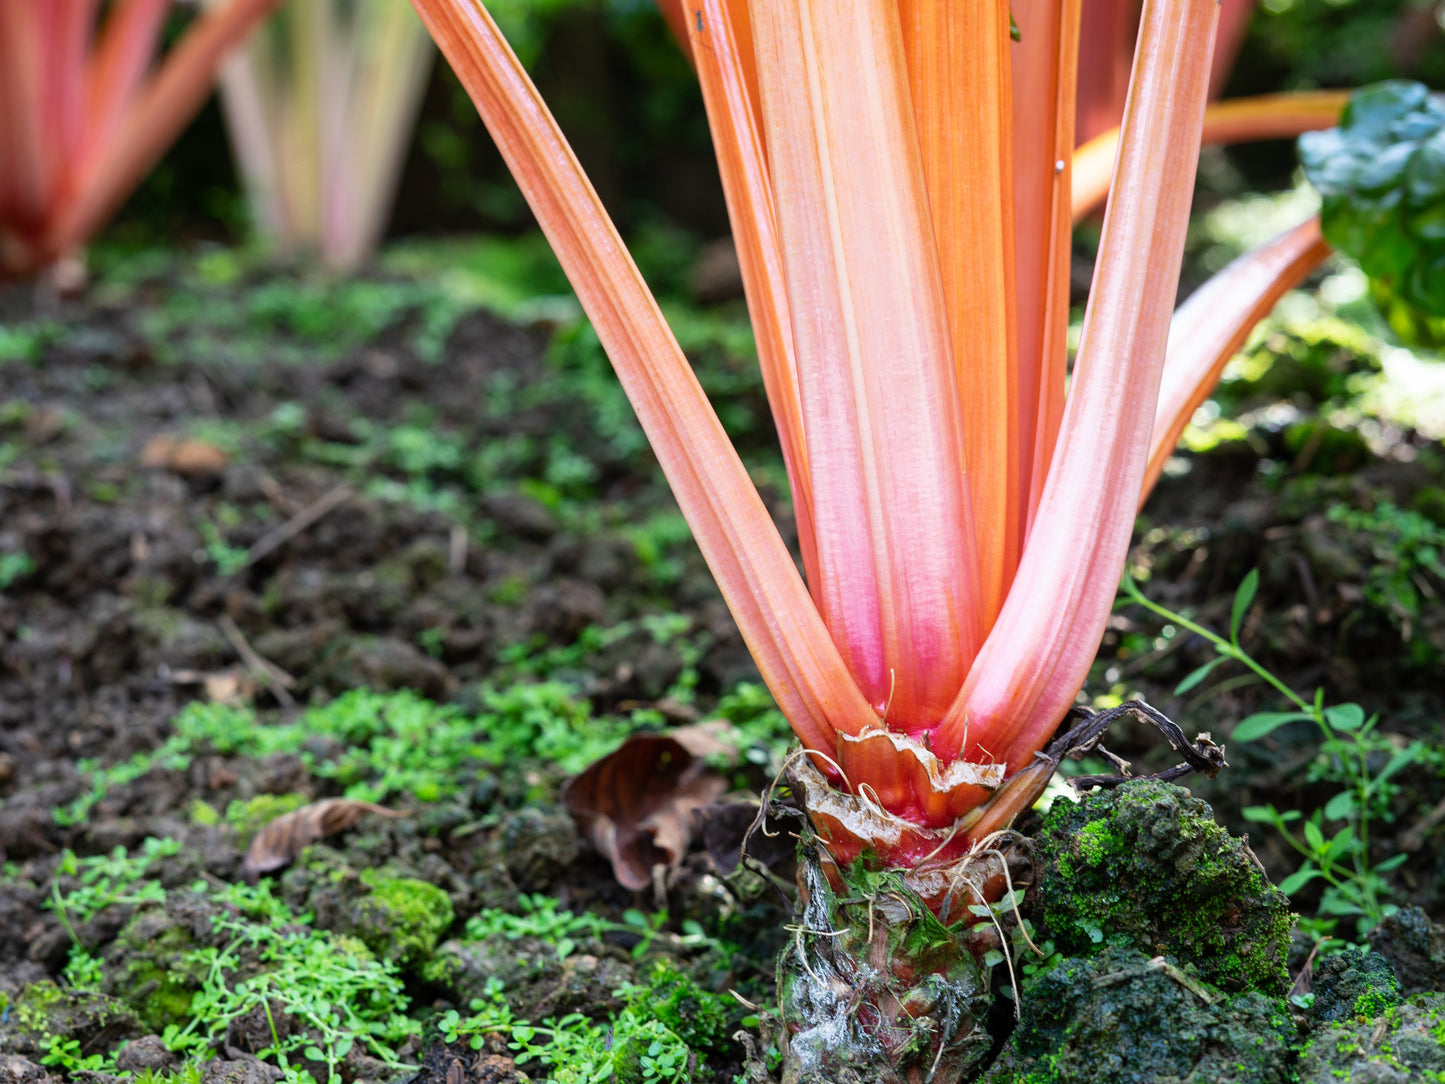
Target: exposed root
[1201, 755]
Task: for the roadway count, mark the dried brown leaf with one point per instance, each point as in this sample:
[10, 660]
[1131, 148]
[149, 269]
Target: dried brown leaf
[185, 456]
[637, 804]
[726, 826]
[282, 840]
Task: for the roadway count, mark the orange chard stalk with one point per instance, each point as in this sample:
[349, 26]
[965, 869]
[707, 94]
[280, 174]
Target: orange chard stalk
[1237, 120]
[82, 120]
[1106, 53]
[903, 233]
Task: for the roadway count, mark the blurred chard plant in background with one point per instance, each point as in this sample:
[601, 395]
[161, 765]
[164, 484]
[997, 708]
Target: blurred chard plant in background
[85, 112]
[320, 107]
[1381, 176]
[898, 177]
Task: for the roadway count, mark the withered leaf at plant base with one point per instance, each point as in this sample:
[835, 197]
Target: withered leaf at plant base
[282, 840]
[726, 828]
[636, 804]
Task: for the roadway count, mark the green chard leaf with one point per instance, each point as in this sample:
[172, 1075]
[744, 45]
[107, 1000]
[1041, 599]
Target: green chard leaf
[1381, 178]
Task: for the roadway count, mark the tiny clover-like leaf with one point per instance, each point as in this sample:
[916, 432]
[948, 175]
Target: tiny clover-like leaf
[1253, 727]
[1243, 599]
[1340, 806]
[1381, 177]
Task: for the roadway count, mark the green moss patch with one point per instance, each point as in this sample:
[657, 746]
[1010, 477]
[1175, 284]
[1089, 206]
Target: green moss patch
[402, 918]
[1146, 865]
[1405, 1043]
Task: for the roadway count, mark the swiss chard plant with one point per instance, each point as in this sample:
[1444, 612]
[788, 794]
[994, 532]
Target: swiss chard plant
[85, 114]
[320, 107]
[898, 175]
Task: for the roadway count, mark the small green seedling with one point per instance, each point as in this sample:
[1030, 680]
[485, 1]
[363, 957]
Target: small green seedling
[1355, 886]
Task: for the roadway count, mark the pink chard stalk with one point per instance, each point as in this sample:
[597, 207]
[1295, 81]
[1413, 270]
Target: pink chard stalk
[898, 178]
[85, 115]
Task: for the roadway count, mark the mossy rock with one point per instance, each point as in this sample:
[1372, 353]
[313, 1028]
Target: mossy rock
[538, 984]
[1353, 984]
[1119, 1017]
[1146, 865]
[402, 918]
[151, 966]
[1403, 1045]
[44, 1011]
[1415, 947]
[147, 968]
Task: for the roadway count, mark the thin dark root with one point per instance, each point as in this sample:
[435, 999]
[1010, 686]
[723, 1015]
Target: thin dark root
[1201, 755]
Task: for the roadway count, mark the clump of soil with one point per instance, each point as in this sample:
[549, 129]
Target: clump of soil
[1122, 1016]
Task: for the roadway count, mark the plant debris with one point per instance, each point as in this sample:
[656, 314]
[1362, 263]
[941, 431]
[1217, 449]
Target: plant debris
[637, 804]
[279, 843]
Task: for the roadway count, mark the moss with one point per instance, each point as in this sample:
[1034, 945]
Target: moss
[169, 998]
[1093, 843]
[44, 1011]
[699, 1017]
[249, 817]
[147, 968]
[36, 1004]
[402, 918]
[1146, 865]
[204, 813]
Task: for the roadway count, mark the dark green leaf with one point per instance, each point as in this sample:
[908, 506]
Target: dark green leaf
[1381, 176]
[1198, 675]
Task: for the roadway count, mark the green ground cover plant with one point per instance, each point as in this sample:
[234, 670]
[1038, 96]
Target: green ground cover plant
[1334, 841]
[321, 994]
[385, 744]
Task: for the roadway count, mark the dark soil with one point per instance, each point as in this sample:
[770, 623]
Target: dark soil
[504, 524]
